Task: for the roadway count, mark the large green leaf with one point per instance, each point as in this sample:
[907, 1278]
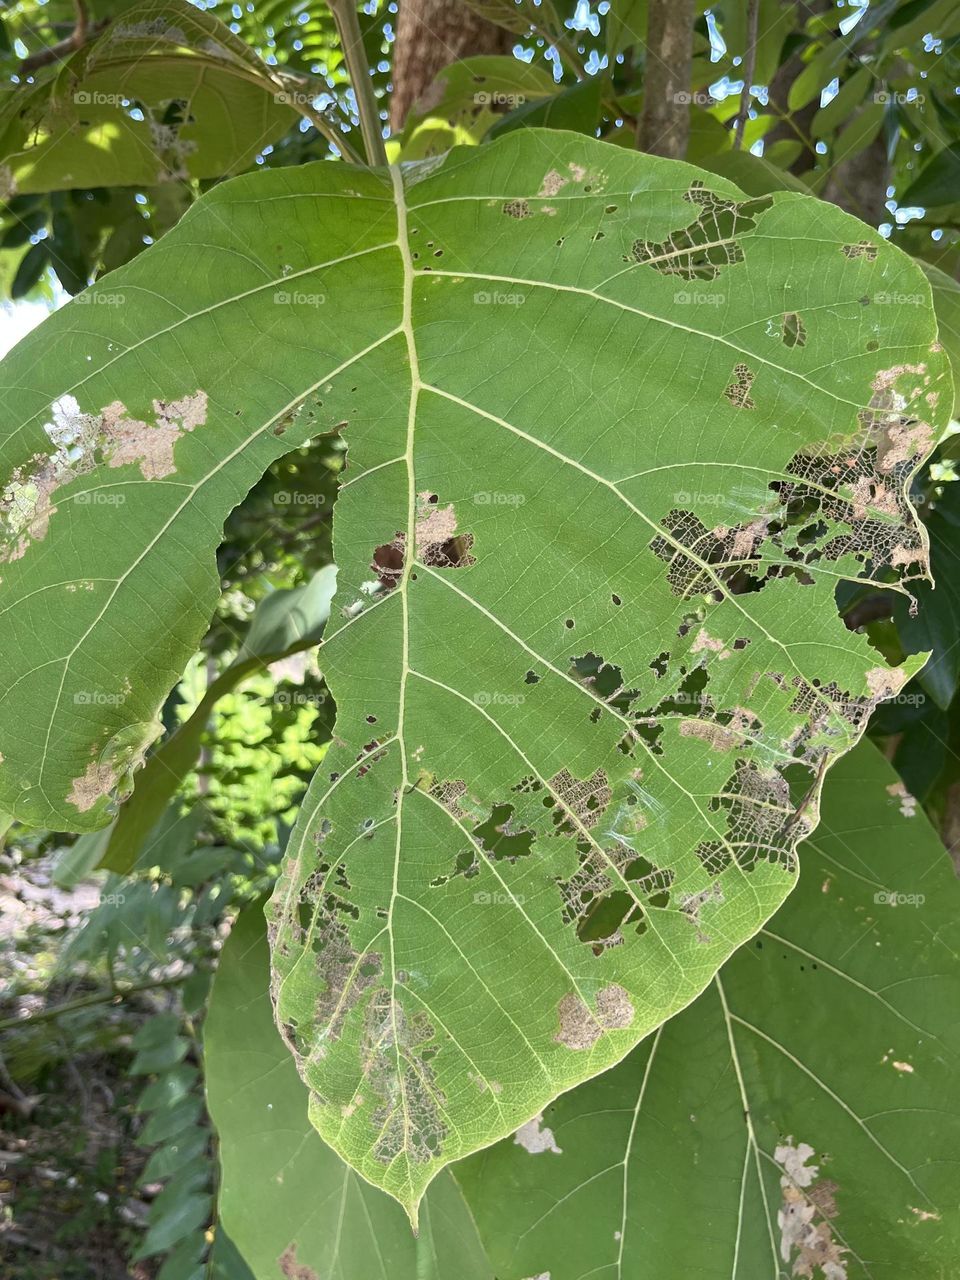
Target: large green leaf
[283, 1193]
[802, 1118]
[635, 428]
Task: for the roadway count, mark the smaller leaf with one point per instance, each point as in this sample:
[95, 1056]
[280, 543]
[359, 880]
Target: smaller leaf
[184, 1261]
[32, 267]
[167, 1122]
[839, 109]
[936, 625]
[938, 183]
[168, 1160]
[754, 174]
[817, 74]
[170, 1088]
[168, 1054]
[189, 1214]
[76, 862]
[160, 1030]
[856, 137]
[576, 109]
[626, 25]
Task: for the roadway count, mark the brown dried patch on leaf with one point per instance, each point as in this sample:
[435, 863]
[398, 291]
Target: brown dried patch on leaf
[924, 1215]
[434, 523]
[863, 249]
[700, 250]
[858, 487]
[705, 643]
[580, 1027]
[552, 183]
[291, 1269]
[718, 737]
[396, 1052]
[885, 682]
[807, 1208]
[110, 775]
[742, 539]
[516, 208]
[436, 538]
[905, 442]
[737, 390]
[97, 781]
[128, 441]
[870, 498]
[908, 803]
[82, 442]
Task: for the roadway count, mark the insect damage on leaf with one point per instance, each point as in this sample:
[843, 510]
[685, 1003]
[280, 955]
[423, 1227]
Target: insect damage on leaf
[436, 542]
[700, 251]
[581, 1027]
[862, 249]
[82, 443]
[110, 773]
[536, 1137]
[908, 802]
[692, 904]
[346, 974]
[544, 787]
[397, 1052]
[435, 535]
[517, 208]
[805, 1214]
[737, 390]
[610, 687]
[291, 1269]
[793, 332]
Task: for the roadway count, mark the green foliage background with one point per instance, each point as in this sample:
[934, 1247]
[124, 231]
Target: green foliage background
[862, 113]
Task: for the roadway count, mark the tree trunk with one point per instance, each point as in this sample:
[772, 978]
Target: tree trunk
[859, 184]
[430, 35]
[783, 78]
[665, 123]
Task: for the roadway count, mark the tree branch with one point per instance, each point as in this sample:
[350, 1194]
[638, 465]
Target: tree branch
[75, 40]
[84, 1002]
[351, 42]
[665, 121]
[749, 69]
